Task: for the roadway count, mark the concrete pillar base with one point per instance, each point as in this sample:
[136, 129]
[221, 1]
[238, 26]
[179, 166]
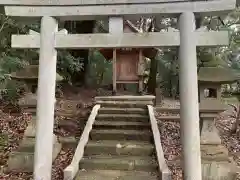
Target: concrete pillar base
[22, 160]
[216, 164]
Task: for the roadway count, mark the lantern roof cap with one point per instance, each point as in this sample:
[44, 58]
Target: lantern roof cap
[217, 75]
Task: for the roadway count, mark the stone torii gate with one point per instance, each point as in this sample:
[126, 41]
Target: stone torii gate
[50, 40]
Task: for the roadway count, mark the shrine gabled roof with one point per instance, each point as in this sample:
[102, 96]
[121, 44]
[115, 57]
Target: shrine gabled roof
[217, 75]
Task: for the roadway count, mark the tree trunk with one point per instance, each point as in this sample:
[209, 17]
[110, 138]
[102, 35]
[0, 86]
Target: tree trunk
[80, 27]
[152, 81]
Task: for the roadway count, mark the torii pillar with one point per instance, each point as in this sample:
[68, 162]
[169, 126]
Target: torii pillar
[45, 99]
[189, 109]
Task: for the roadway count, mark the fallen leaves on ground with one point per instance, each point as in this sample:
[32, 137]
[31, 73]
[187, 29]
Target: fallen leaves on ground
[232, 141]
[62, 161]
[14, 126]
[170, 139]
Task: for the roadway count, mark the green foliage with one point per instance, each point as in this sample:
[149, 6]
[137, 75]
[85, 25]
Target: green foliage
[67, 65]
[12, 59]
[12, 90]
[231, 54]
[100, 70]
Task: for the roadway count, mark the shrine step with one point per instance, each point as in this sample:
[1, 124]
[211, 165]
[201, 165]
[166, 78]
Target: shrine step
[110, 110]
[115, 174]
[123, 117]
[125, 104]
[117, 134]
[168, 110]
[169, 118]
[125, 98]
[107, 147]
[119, 162]
[121, 141]
[128, 125]
[208, 115]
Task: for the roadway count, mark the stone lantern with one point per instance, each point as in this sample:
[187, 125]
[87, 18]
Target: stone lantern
[22, 159]
[215, 159]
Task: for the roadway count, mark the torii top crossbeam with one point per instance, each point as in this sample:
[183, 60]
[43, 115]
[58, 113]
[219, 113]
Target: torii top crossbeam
[84, 2]
[88, 2]
[94, 9]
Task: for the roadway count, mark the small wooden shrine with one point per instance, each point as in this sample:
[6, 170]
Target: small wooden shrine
[128, 63]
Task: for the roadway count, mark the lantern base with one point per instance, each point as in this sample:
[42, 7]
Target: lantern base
[216, 164]
[22, 160]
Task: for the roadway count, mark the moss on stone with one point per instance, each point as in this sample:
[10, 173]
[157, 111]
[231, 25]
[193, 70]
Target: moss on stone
[3, 140]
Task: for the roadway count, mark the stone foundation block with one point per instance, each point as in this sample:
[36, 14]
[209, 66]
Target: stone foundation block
[216, 164]
[212, 170]
[22, 160]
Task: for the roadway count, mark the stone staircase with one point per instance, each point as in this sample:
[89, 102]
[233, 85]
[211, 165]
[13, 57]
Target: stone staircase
[121, 142]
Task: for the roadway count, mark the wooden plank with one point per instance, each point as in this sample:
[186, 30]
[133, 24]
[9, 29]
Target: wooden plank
[131, 40]
[141, 68]
[114, 64]
[141, 64]
[115, 28]
[98, 11]
[81, 2]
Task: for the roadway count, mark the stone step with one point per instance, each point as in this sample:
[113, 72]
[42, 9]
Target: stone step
[168, 110]
[27, 145]
[20, 161]
[68, 142]
[176, 110]
[110, 110]
[131, 148]
[117, 134]
[125, 98]
[116, 175]
[208, 115]
[123, 117]
[121, 125]
[125, 104]
[121, 162]
[169, 118]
